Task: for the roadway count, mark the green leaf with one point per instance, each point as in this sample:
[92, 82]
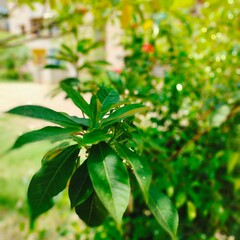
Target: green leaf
[191, 210]
[72, 81]
[67, 49]
[140, 170]
[44, 113]
[95, 106]
[83, 44]
[86, 45]
[116, 80]
[80, 187]
[163, 210]
[233, 161]
[110, 179]
[83, 122]
[107, 97]
[92, 212]
[55, 66]
[46, 133]
[94, 137]
[78, 100]
[124, 112]
[51, 179]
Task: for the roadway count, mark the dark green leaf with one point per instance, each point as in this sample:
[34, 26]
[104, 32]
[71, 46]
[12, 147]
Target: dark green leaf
[45, 114]
[92, 212]
[110, 179]
[51, 179]
[47, 133]
[82, 45]
[83, 122]
[163, 210]
[124, 112]
[86, 45]
[55, 66]
[71, 81]
[86, 65]
[80, 187]
[78, 100]
[140, 170]
[94, 137]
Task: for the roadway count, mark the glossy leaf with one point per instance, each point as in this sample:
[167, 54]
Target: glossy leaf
[83, 122]
[140, 170]
[80, 187]
[110, 179]
[44, 113]
[163, 210]
[95, 107]
[107, 97]
[46, 133]
[51, 179]
[95, 136]
[92, 212]
[78, 100]
[124, 112]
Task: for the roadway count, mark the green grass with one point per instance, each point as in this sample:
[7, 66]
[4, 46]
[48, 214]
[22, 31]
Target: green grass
[16, 166]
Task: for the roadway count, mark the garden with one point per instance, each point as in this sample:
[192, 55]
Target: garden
[149, 145]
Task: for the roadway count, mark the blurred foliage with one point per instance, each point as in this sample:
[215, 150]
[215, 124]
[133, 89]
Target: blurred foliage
[185, 65]
[182, 60]
[12, 61]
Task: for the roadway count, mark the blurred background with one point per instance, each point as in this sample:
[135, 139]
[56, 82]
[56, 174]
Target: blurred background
[180, 58]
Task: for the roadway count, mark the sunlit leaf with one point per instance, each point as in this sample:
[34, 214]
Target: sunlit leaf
[163, 210]
[110, 179]
[124, 112]
[140, 170]
[44, 113]
[233, 161]
[95, 136]
[78, 100]
[107, 97]
[191, 209]
[127, 14]
[47, 133]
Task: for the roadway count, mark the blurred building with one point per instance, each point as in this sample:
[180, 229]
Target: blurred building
[29, 22]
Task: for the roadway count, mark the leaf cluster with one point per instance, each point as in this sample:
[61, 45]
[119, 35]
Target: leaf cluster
[98, 184]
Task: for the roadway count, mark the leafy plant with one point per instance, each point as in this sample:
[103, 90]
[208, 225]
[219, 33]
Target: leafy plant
[98, 184]
[184, 68]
